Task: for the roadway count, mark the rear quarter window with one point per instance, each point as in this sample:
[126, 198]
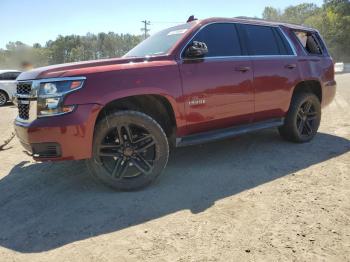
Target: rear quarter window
[310, 42]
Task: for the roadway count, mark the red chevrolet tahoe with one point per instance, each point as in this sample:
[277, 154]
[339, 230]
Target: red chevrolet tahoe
[197, 82]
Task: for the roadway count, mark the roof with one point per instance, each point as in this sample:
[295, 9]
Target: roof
[256, 21]
[9, 70]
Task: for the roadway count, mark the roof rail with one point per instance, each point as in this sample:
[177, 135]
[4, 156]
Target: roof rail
[271, 21]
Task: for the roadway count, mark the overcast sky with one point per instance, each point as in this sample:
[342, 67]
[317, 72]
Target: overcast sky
[38, 20]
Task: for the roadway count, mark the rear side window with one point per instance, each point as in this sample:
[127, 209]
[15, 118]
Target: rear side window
[310, 42]
[283, 45]
[9, 76]
[265, 40]
[221, 39]
[261, 40]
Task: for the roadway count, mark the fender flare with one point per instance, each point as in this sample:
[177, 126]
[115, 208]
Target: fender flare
[121, 94]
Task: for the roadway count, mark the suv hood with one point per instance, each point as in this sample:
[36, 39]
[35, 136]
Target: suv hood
[81, 68]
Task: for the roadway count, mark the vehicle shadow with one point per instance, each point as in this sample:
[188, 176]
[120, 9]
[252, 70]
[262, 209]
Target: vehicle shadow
[9, 104]
[44, 206]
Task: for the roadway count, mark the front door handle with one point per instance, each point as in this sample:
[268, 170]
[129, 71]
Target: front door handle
[243, 69]
[291, 66]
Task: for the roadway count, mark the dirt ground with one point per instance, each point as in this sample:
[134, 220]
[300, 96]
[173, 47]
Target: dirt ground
[249, 198]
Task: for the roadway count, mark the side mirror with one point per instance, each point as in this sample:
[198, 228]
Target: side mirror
[196, 50]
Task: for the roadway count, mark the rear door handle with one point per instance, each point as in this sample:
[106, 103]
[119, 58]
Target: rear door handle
[291, 66]
[243, 69]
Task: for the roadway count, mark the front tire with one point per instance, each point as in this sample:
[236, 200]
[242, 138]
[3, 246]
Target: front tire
[130, 150]
[303, 118]
[3, 98]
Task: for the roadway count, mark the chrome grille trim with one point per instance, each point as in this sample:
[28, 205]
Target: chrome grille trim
[24, 88]
[23, 110]
[26, 97]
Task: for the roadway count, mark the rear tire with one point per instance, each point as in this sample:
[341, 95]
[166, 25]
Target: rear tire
[3, 98]
[130, 150]
[303, 118]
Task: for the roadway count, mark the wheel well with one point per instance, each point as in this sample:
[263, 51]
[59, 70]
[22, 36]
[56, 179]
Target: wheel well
[311, 86]
[156, 106]
[6, 94]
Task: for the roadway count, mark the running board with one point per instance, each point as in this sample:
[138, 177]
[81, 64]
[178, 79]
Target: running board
[226, 132]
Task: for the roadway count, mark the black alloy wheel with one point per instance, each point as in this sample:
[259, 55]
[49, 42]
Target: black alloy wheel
[303, 118]
[130, 150]
[306, 119]
[127, 151]
[3, 98]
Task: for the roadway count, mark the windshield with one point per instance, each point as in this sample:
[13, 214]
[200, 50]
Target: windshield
[159, 43]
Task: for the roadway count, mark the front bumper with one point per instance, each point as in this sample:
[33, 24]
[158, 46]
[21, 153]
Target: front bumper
[70, 134]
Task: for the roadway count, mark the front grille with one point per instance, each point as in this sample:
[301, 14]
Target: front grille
[23, 110]
[24, 88]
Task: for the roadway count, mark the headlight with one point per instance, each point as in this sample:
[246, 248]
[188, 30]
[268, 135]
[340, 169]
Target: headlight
[51, 95]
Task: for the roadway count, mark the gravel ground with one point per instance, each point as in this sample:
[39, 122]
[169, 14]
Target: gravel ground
[250, 198]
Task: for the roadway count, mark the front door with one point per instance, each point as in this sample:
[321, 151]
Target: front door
[218, 89]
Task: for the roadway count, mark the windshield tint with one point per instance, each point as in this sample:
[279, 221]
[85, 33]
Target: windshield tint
[159, 43]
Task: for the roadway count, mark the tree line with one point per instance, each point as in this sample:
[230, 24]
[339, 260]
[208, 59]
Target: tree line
[332, 19]
[66, 49]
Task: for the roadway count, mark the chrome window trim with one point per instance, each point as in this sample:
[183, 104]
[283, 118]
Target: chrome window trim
[289, 41]
[250, 56]
[240, 57]
[33, 96]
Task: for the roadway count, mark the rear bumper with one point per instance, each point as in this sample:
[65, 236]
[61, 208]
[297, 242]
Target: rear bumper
[328, 92]
[70, 134]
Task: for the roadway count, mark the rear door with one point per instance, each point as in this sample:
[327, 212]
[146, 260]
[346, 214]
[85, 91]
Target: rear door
[218, 90]
[275, 69]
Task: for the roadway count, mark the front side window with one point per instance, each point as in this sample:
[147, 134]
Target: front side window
[221, 40]
[161, 42]
[264, 40]
[13, 75]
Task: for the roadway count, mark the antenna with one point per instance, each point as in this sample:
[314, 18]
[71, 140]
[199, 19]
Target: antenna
[191, 18]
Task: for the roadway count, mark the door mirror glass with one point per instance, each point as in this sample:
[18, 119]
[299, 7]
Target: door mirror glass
[196, 50]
